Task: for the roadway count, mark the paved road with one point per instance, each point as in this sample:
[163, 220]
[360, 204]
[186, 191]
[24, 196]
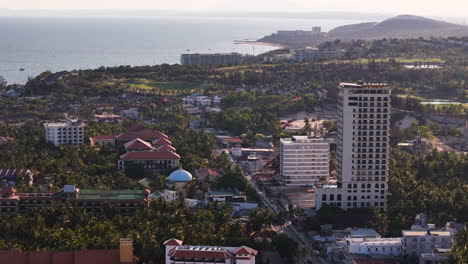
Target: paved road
[288, 229]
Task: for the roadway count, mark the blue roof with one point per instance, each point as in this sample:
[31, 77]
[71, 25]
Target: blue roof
[180, 175]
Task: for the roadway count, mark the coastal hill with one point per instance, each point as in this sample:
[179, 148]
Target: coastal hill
[404, 26]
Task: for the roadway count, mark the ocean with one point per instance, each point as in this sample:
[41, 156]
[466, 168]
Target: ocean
[38, 44]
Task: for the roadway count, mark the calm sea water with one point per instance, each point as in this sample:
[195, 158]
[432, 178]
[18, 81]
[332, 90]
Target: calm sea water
[38, 44]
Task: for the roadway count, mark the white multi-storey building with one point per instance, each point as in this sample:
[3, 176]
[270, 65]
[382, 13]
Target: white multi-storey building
[71, 133]
[376, 246]
[417, 242]
[304, 160]
[362, 147]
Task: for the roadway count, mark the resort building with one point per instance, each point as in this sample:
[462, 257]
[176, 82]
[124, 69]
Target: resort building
[147, 135]
[93, 201]
[362, 148]
[211, 59]
[304, 160]
[150, 160]
[177, 253]
[71, 133]
[417, 242]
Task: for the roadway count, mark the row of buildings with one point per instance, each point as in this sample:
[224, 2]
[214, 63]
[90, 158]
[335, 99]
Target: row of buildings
[423, 240]
[175, 253]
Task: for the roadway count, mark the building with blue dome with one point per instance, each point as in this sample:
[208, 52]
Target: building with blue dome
[180, 177]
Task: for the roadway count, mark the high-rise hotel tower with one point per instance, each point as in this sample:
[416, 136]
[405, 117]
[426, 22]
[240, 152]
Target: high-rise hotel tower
[362, 148]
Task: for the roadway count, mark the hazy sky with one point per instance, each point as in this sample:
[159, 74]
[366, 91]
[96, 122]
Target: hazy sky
[418, 7]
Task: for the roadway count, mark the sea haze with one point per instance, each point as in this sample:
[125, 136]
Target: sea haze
[38, 44]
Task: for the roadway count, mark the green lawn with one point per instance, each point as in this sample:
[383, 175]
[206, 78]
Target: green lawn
[151, 85]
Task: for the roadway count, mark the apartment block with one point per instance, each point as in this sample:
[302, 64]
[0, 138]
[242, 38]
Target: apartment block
[63, 133]
[304, 160]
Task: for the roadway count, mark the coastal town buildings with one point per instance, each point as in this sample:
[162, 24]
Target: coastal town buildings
[362, 148]
[60, 133]
[304, 160]
[176, 253]
[211, 59]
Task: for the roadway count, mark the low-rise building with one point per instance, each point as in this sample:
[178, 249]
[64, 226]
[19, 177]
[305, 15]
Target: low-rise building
[206, 174]
[102, 140]
[438, 256]
[167, 195]
[177, 253]
[376, 246]
[107, 118]
[417, 242]
[60, 133]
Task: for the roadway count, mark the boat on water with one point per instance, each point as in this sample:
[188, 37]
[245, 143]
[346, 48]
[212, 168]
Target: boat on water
[21, 69]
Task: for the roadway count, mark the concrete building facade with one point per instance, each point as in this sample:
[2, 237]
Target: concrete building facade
[417, 242]
[304, 160]
[71, 133]
[362, 148]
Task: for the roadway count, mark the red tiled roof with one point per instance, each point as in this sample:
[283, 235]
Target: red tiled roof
[145, 134]
[233, 140]
[245, 250]
[173, 242]
[166, 148]
[149, 155]
[163, 141]
[187, 253]
[103, 137]
[207, 172]
[138, 144]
